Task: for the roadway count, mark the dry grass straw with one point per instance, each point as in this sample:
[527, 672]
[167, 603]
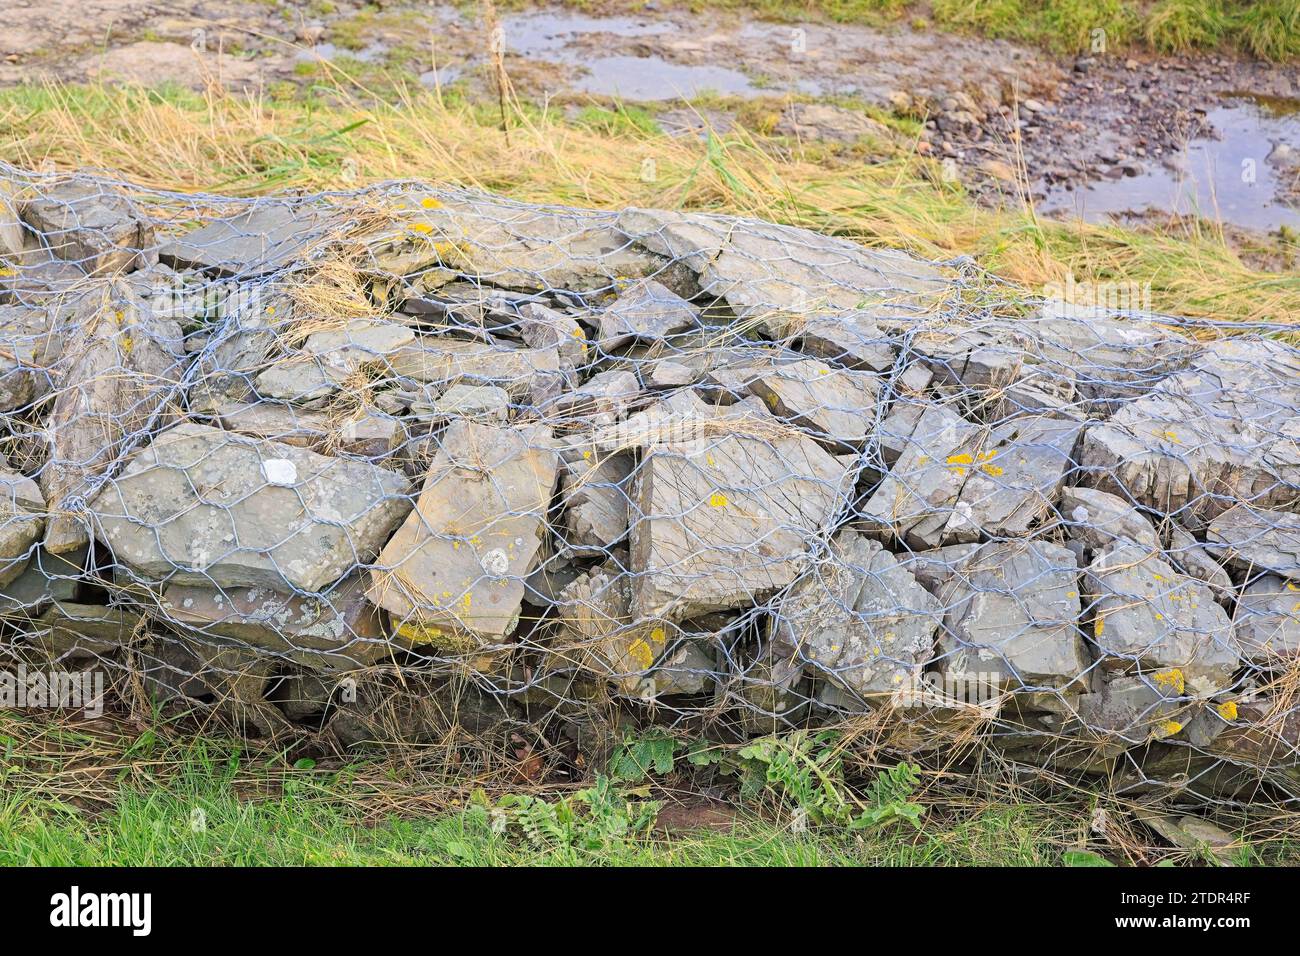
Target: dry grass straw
[245, 145]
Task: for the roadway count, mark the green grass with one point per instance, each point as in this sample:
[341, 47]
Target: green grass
[111, 794]
[1268, 29]
[210, 802]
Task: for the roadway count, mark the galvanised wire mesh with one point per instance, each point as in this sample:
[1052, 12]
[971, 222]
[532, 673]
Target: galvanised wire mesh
[405, 462]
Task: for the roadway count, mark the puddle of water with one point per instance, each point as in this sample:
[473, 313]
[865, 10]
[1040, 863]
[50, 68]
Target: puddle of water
[650, 78]
[553, 32]
[553, 36]
[328, 51]
[1229, 179]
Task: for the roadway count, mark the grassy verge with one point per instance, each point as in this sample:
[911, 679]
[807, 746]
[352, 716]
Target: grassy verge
[115, 793]
[1266, 29]
[347, 133]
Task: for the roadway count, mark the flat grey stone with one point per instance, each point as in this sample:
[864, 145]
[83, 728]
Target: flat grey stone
[1011, 617]
[1255, 539]
[718, 522]
[1099, 519]
[644, 312]
[860, 618]
[335, 629]
[518, 246]
[1136, 709]
[665, 373]
[594, 492]
[121, 367]
[364, 433]
[1150, 618]
[529, 375]
[917, 499]
[22, 519]
[599, 631]
[1108, 357]
[1016, 483]
[26, 351]
[605, 395]
[47, 578]
[69, 630]
[482, 403]
[89, 224]
[343, 351]
[1192, 558]
[778, 275]
[835, 403]
[975, 358]
[1267, 621]
[847, 339]
[541, 327]
[1223, 429]
[454, 573]
[268, 237]
[204, 506]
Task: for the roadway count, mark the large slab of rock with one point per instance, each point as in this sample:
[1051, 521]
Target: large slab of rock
[976, 358]
[838, 404]
[644, 312]
[1011, 617]
[335, 629]
[861, 618]
[594, 492]
[1016, 483]
[22, 519]
[89, 224]
[598, 629]
[518, 246]
[1254, 539]
[1148, 617]
[266, 238]
[1109, 358]
[204, 506]
[120, 367]
[917, 499]
[530, 375]
[717, 522]
[365, 433]
[778, 275]
[1267, 621]
[1222, 431]
[847, 339]
[27, 348]
[47, 578]
[456, 567]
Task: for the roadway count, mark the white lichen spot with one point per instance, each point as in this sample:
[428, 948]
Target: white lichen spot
[280, 471]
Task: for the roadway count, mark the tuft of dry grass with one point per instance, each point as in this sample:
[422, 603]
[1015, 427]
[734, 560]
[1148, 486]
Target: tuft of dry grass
[243, 145]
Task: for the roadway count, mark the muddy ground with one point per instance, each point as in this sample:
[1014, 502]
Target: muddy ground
[1098, 135]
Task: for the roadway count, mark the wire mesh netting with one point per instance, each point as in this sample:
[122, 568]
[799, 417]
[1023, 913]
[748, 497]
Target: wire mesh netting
[402, 462]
